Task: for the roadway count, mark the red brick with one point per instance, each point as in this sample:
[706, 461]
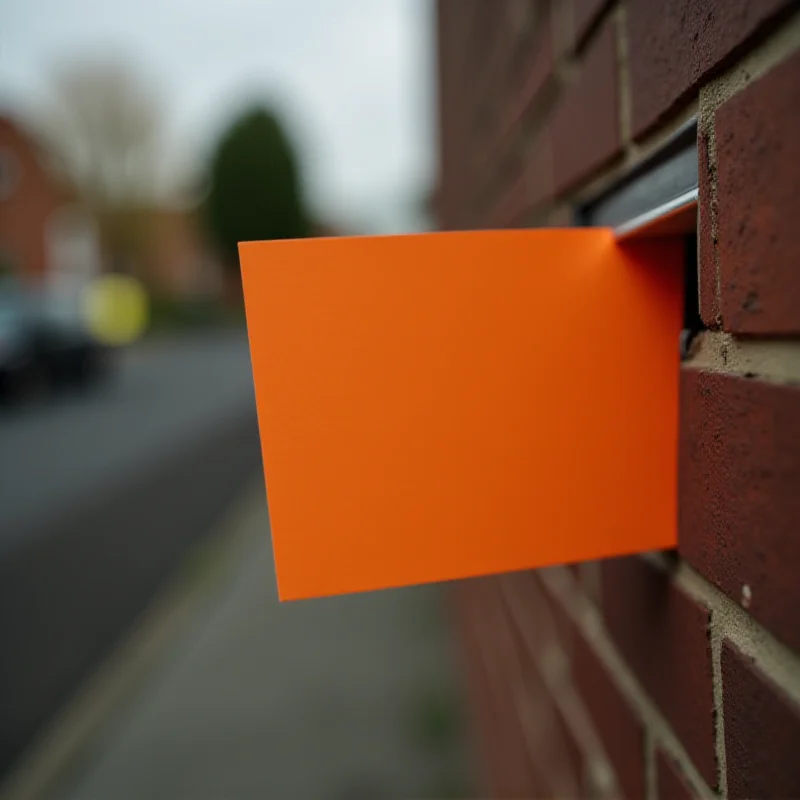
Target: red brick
[533, 65]
[586, 120]
[560, 217]
[540, 619]
[512, 204]
[480, 714]
[558, 746]
[539, 169]
[584, 15]
[590, 573]
[27, 212]
[532, 716]
[707, 249]
[490, 39]
[670, 780]
[663, 635]
[510, 772]
[530, 183]
[675, 46]
[504, 748]
[758, 148]
[565, 628]
[618, 727]
[536, 62]
[739, 474]
[448, 57]
[527, 608]
[762, 732]
[513, 766]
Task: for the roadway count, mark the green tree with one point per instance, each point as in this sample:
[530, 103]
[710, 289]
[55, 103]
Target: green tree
[254, 188]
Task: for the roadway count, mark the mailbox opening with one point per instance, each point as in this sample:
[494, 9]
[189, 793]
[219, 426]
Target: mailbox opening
[658, 199]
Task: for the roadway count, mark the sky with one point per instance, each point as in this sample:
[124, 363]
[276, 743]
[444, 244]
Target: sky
[353, 80]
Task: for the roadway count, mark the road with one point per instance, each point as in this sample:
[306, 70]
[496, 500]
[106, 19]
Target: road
[100, 497]
[64, 451]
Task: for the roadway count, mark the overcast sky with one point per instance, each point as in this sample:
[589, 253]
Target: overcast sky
[352, 77]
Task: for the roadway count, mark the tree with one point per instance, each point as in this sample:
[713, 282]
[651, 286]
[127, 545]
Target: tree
[103, 122]
[254, 188]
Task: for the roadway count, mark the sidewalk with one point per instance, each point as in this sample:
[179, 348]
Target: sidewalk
[341, 698]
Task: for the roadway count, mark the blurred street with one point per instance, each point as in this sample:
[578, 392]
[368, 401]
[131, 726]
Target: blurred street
[350, 698]
[165, 392]
[134, 159]
[108, 495]
[103, 491]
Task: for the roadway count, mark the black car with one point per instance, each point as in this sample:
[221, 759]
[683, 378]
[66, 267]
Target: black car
[44, 343]
[17, 357]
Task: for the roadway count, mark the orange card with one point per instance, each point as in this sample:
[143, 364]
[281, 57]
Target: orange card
[444, 405]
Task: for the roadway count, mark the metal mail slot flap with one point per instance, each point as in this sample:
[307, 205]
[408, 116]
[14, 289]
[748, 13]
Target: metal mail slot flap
[658, 196]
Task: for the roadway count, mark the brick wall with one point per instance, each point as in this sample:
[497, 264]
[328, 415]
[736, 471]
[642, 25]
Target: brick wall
[667, 675]
[27, 204]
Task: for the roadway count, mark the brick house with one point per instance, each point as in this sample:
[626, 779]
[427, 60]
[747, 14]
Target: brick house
[671, 675]
[45, 232]
[184, 264]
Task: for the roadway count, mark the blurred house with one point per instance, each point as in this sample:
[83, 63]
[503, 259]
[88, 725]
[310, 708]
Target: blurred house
[46, 233]
[165, 247]
[184, 265]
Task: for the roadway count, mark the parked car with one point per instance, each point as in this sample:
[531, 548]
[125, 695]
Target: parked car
[17, 356]
[44, 343]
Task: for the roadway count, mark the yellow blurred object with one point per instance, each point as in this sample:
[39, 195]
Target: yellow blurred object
[116, 309]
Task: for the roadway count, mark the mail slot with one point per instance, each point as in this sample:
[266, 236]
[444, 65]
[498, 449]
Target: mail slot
[439, 406]
[658, 199]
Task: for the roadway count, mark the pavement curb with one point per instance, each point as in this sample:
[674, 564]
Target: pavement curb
[73, 729]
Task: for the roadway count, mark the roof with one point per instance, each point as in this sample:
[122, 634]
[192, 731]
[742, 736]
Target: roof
[15, 134]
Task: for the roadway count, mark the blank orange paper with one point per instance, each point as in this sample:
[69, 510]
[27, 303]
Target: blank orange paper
[439, 406]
